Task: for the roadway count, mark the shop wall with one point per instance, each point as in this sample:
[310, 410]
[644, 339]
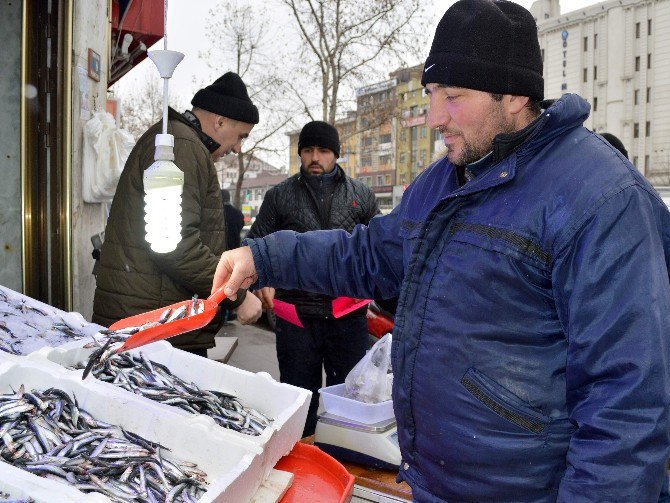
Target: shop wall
[91, 30]
[10, 141]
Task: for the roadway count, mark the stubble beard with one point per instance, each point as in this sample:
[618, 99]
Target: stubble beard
[482, 143]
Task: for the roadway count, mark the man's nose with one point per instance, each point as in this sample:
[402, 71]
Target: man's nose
[237, 147]
[437, 117]
[315, 156]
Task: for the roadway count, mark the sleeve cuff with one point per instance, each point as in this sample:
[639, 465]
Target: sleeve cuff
[258, 250]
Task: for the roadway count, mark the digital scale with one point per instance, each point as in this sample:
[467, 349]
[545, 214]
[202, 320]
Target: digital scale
[372, 445]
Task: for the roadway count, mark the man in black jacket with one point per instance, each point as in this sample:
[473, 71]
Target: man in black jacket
[234, 221]
[320, 196]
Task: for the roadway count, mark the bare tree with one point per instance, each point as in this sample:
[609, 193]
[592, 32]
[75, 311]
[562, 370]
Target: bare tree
[349, 41]
[242, 41]
[143, 106]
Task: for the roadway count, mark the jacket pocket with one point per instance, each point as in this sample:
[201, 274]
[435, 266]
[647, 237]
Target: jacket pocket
[503, 402]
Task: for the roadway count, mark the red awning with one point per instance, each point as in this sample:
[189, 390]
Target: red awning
[136, 26]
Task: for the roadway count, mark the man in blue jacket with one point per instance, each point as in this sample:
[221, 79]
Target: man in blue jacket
[531, 348]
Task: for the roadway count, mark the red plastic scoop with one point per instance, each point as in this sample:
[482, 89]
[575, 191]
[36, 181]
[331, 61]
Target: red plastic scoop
[169, 328]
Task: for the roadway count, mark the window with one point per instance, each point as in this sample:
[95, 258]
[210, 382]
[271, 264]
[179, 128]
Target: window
[542, 53]
[647, 129]
[436, 134]
[595, 73]
[635, 161]
[423, 131]
[637, 30]
[648, 60]
[585, 75]
[595, 104]
[423, 155]
[595, 40]
[403, 179]
[646, 162]
[414, 133]
[636, 97]
[586, 44]
[403, 157]
[366, 161]
[648, 27]
[380, 180]
[403, 135]
[636, 130]
[649, 95]
[385, 138]
[387, 179]
[384, 159]
[367, 141]
[637, 63]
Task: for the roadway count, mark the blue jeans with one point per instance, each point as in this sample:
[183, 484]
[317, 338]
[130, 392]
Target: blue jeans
[337, 344]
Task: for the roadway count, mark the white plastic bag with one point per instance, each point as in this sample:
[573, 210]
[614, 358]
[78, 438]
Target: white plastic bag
[106, 149]
[371, 379]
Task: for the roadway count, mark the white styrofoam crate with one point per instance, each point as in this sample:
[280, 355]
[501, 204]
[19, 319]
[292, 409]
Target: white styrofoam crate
[234, 469]
[336, 403]
[287, 405]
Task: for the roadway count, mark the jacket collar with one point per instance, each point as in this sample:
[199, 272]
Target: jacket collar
[192, 121]
[566, 113]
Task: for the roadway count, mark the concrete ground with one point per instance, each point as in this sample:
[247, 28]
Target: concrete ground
[255, 350]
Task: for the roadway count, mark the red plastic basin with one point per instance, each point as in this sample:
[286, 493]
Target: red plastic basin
[317, 476]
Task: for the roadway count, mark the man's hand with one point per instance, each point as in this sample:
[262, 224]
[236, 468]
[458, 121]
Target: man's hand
[266, 295]
[249, 311]
[236, 270]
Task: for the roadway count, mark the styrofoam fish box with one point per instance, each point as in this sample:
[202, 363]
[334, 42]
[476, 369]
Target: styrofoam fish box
[336, 403]
[287, 405]
[233, 468]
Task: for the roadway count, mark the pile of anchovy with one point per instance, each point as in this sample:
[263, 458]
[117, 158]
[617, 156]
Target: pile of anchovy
[137, 374]
[25, 327]
[46, 433]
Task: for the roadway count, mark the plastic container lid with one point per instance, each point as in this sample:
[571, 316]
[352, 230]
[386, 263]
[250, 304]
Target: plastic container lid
[317, 476]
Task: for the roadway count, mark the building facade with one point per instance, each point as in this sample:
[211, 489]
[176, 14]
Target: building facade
[417, 145]
[254, 186]
[616, 55]
[376, 110]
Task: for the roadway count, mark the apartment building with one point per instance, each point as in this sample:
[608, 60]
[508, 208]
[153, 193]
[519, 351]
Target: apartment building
[417, 145]
[376, 107]
[615, 54]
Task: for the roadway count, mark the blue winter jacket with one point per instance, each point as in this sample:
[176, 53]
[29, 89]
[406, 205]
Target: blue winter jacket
[531, 349]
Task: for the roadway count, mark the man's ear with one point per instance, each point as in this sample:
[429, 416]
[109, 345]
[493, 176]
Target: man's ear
[517, 103]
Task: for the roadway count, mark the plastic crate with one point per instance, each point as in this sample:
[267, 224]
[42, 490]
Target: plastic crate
[287, 405]
[234, 468]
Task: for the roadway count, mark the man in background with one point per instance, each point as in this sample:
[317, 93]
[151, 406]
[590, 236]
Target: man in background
[319, 196]
[130, 277]
[234, 221]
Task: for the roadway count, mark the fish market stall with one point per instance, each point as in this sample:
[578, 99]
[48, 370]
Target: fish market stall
[150, 424]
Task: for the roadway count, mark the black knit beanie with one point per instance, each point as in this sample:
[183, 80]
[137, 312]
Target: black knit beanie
[487, 45]
[227, 96]
[319, 134]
